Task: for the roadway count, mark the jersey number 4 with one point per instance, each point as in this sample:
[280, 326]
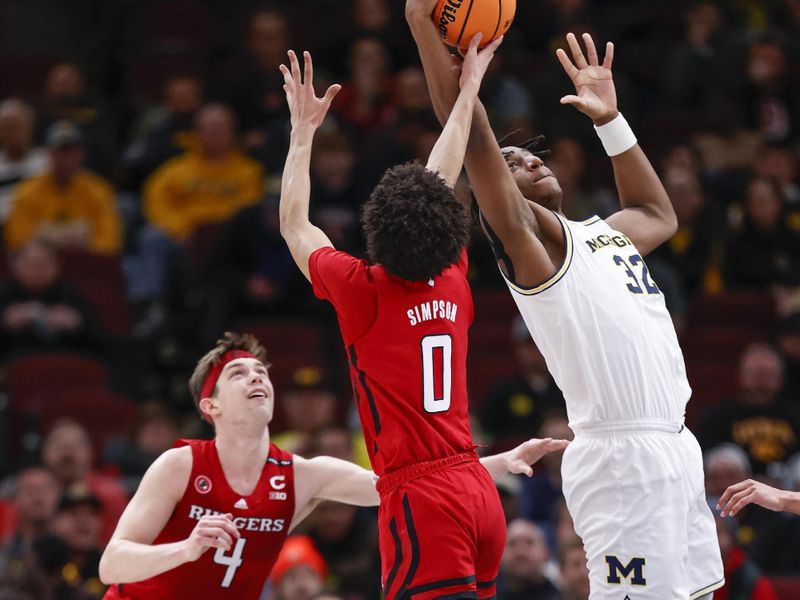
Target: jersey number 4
[437, 372]
[637, 284]
[233, 561]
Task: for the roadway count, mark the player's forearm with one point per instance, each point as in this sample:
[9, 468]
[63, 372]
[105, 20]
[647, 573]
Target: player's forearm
[447, 156]
[638, 184]
[440, 72]
[790, 502]
[497, 464]
[124, 561]
[296, 181]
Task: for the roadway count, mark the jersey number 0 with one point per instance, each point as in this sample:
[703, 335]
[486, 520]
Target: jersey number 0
[437, 372]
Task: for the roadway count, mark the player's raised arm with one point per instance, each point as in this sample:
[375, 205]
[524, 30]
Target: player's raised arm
[130, 555]
[307, 113]
[647, 216]
[447, 156]
[739, 495]
[502, 204]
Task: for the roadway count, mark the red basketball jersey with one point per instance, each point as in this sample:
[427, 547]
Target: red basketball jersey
[407, 347]
[263, 519]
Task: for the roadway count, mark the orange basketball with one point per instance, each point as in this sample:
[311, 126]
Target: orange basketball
[459, 20]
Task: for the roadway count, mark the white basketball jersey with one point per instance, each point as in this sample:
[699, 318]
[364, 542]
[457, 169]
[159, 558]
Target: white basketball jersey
[604, 330]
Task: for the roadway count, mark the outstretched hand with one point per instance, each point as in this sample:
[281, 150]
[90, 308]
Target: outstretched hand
[595, 95]
[526, 454]
[304, 106]
[476, 62]
[739, 495]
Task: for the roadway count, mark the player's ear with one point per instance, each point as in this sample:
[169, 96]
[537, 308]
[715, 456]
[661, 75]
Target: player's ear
[210, 406]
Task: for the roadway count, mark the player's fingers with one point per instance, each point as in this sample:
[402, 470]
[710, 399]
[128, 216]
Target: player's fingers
[474, 42]
[728, 507]
[732, 489]
[577, 53]
[295, 66]
[744, 501]
[331, 92]
[591, 50]
[492, 47]
[609, 57]
[570, 69]
[220, 534]
[576, 101]
[287, 76]
[308, 68]
[554, 445]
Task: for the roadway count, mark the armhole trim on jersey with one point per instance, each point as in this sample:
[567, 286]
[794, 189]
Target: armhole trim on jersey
[708, 589]
[556, 277]
[590, 220]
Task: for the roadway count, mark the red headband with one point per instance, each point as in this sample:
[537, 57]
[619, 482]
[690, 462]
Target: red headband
[210, 382]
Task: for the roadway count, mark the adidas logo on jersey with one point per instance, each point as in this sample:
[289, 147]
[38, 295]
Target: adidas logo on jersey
[241, 503]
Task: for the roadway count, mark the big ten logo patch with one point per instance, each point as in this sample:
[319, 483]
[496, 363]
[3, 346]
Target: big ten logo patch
[202, 484]
[277, 483]
[634, 570]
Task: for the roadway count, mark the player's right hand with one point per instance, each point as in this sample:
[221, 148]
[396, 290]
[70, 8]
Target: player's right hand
[739, 495]
[211, 531]
[476, 62]
[304, 106]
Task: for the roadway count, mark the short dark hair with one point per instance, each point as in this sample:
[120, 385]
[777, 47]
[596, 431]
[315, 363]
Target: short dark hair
[413, 224]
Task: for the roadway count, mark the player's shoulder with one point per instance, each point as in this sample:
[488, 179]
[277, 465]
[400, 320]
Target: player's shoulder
[175, 460]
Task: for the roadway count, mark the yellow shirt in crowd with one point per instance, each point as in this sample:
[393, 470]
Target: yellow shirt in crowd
[39, 201]
[189, 191]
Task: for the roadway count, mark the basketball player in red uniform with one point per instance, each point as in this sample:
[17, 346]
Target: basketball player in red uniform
[237, 495]
[404, 317]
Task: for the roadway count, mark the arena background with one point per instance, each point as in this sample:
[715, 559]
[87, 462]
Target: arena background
[106, 305]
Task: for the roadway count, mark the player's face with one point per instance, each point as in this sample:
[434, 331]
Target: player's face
[245, 390]
[535, 181]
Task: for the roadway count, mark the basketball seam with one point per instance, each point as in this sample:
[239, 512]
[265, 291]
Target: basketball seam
[464, 26]
[499, 18]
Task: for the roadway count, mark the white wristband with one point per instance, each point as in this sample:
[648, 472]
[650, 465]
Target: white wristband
[616, 135]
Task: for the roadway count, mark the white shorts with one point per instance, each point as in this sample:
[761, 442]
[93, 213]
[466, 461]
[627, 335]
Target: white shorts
[636, 493]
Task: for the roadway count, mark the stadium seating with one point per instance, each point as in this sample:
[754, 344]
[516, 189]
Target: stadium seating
[786, 588]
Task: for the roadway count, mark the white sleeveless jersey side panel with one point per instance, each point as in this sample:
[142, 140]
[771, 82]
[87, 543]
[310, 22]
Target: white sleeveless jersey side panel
[604, 330]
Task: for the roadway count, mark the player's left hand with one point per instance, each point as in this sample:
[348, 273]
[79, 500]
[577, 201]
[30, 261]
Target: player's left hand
[304, 106]
[520, 459]
[739, 495]
[595, 95]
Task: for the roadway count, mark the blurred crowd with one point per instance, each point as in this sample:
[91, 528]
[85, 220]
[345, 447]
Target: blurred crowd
[141, 150]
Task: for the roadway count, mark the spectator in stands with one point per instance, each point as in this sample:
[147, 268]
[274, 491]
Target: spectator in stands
[522, 569]
[154, 431]
[541, 494]
[765, 251]
[67, 205]
[19, 158]
[50, 574]
[778, 162]
[770, 95]
[365, 101]
[66, 98]
[337, 188]
[39, 310]
[78, 523]
[67, 454]
[573, 569]
[166, 131]
[300, 571]
[723, 466]
[205, 187]
[567, 160]
[508, 488]
[247, 271]
[36, 496]
[256, 89]
[789, 343]
[516, 406]
[757, 420]
[743, 578]
[347, 538]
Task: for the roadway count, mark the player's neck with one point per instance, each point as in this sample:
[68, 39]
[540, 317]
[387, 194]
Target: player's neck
[242, 456]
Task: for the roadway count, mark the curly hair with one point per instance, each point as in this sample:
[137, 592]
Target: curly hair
[229, 341]
[413, 224]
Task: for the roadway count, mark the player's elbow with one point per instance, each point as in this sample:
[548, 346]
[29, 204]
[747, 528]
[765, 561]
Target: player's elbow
[108, 571]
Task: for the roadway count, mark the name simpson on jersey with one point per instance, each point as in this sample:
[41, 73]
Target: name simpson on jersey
[244, 523]
[435, 309]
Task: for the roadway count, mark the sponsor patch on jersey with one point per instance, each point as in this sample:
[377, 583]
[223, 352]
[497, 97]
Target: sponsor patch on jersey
[202, 484]
[277, 495]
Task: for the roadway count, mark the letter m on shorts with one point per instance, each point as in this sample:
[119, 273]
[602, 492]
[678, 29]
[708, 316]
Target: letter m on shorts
[634, 569]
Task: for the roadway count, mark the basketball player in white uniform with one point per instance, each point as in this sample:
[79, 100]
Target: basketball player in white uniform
[633, 477]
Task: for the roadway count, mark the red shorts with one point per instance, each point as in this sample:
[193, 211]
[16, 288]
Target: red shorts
[442, 532]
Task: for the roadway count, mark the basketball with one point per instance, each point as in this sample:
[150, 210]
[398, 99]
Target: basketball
[459, 20]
